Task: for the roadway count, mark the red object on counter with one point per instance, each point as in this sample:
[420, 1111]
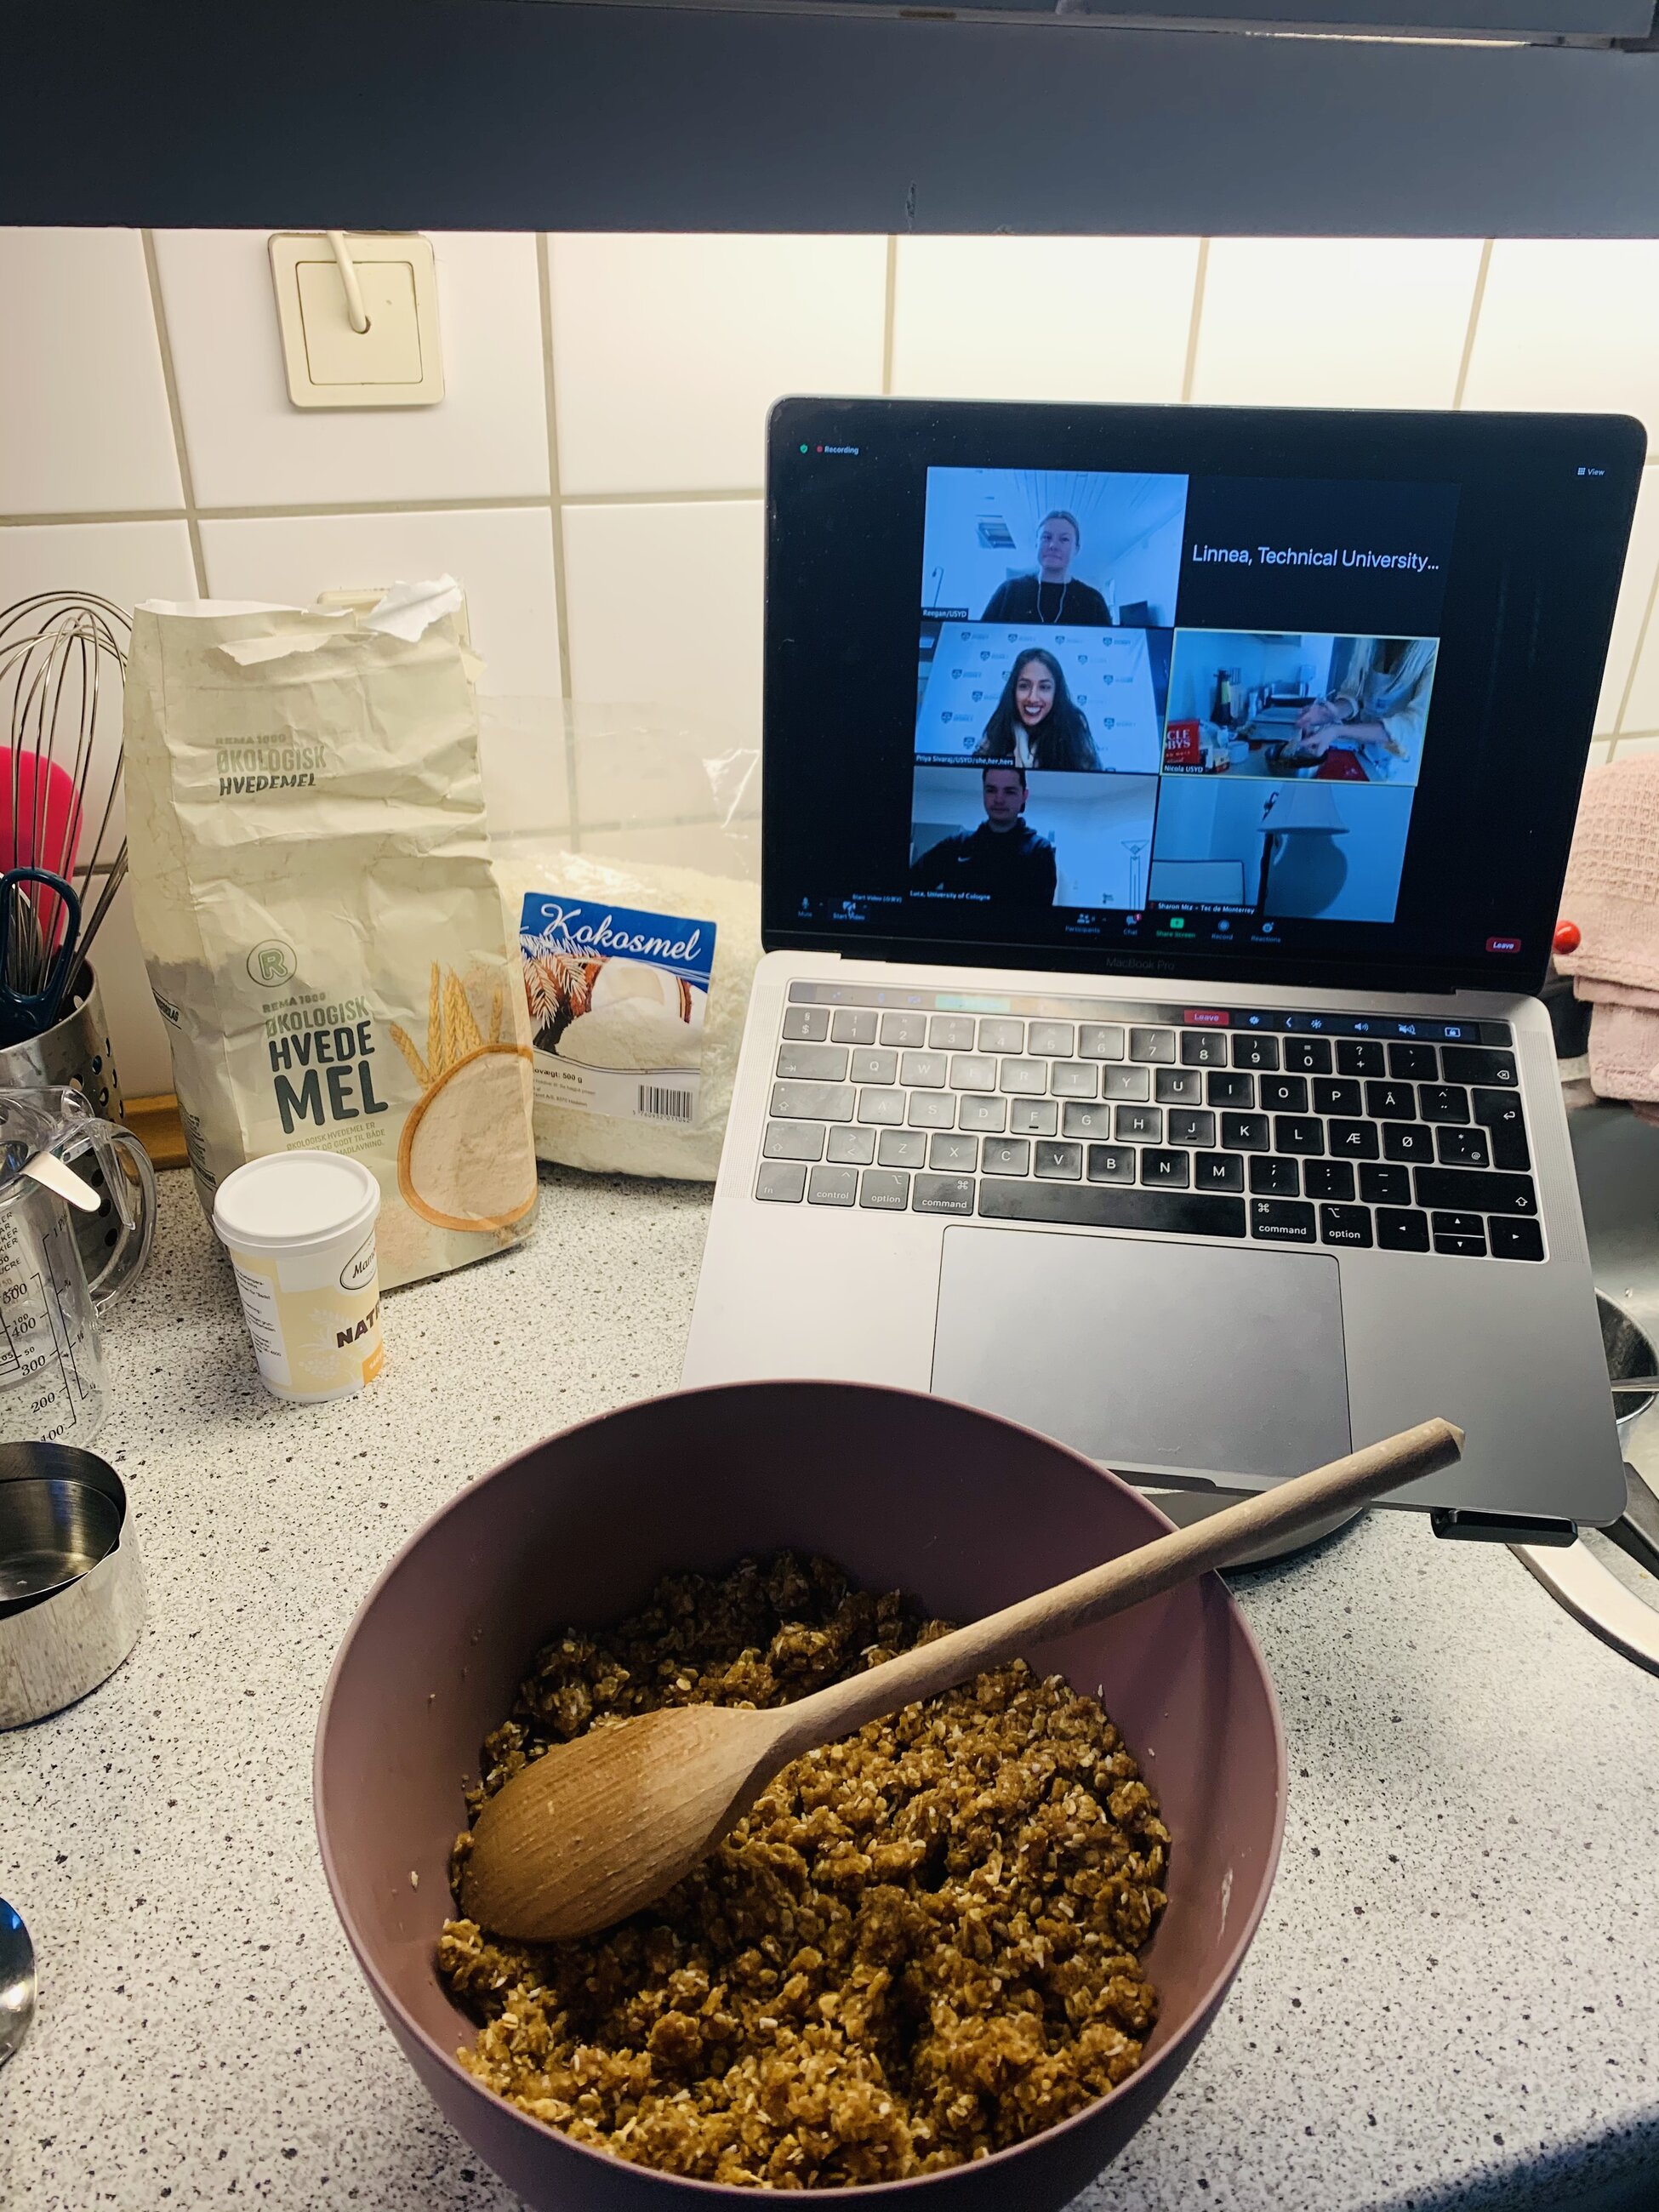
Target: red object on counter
[1340, 766]
[1568, 936]
[1183, 745]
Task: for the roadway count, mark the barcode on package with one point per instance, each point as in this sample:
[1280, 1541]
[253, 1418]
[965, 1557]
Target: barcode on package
[657, 1104]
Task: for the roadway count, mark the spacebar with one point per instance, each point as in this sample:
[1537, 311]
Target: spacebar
[1177, 1212]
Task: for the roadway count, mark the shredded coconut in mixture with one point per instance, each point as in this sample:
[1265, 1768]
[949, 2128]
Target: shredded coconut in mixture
[920, 1945]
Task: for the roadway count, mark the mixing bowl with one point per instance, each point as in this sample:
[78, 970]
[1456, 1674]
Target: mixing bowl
[966, 1511]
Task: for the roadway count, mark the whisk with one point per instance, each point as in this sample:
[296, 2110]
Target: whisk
[62, 654]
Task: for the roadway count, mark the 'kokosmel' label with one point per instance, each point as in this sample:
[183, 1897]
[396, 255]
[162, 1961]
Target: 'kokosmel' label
[618, 999]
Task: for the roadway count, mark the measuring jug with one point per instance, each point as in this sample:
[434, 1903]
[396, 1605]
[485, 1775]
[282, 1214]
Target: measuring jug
[52, 1359]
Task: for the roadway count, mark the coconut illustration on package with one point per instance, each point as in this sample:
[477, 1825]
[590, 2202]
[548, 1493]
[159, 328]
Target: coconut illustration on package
[638, 1017]
[464, 1161]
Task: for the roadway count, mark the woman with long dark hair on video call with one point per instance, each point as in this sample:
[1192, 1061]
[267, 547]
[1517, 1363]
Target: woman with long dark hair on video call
[1037, 722]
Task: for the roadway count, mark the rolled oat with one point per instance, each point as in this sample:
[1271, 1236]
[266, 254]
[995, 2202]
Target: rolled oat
[918, 1946]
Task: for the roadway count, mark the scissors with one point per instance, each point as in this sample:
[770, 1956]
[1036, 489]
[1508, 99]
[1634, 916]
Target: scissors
[26, 1014]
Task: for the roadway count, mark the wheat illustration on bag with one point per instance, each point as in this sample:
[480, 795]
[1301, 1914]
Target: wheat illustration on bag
[466, 1158]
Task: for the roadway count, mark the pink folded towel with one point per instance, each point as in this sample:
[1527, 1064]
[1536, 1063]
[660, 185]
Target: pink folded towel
[1613, 994]
[1612, 894]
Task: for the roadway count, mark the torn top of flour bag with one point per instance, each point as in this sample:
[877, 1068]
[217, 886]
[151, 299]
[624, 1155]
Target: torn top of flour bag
[403, 610]
[409, 610]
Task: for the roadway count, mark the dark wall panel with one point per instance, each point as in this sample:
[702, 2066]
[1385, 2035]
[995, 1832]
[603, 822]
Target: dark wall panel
[495, 115]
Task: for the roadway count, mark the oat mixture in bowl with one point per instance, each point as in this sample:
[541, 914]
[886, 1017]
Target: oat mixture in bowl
[921, 1946]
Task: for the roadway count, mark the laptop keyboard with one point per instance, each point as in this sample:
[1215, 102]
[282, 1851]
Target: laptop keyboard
[1291, 1129]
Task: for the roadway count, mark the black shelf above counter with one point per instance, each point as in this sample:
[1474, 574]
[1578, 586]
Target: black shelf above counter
[840, 115]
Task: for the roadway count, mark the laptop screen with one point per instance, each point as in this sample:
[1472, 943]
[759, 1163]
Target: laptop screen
[1259, 693]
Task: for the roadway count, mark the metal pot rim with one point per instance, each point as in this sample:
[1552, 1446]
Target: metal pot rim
[44, 1463]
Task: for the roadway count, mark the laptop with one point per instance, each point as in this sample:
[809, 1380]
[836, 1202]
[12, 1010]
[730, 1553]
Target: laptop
[1166, 811]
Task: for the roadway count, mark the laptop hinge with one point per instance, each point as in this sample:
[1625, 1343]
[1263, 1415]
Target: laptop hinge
[1456, 1521]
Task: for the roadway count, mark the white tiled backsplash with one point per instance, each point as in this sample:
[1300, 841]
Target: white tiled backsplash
[593, 475]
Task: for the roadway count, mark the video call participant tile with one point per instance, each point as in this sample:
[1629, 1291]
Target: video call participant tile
[1330, 852]
[1054, 548]
[1077, 700]
[998, 834]
[1290, 703]
[1259, 552]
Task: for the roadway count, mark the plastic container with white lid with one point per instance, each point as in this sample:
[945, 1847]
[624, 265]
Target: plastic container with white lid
[299, 1230]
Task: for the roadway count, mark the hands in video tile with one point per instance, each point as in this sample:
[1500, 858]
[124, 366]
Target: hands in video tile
[1326, 709]
[1333, 725]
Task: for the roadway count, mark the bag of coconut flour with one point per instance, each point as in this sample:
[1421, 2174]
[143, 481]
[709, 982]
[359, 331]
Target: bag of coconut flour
[630, 874]
[320, 919]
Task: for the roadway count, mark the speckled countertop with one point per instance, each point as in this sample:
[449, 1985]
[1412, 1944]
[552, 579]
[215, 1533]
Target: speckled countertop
[1451, 2001]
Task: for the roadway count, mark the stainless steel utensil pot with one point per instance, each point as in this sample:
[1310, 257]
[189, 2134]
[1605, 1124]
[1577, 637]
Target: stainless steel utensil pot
[76, 1049]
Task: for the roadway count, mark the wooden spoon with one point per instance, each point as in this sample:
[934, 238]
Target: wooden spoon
[594, 1829]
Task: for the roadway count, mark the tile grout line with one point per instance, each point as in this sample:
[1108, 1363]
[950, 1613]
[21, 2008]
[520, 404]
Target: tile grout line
[503, 503]
[92, 516]
[1190, 367]
[1637, 651]
[555, 517]
[1477, 301]
[728, 496]
[175, 413]
[493, 503]
[889, 316]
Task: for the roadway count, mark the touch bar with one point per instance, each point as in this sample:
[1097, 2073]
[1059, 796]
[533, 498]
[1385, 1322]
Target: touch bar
[1148, 1013]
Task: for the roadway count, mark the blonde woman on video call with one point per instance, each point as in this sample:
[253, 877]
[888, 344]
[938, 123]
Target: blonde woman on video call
[1051, 593]
[1377, 708]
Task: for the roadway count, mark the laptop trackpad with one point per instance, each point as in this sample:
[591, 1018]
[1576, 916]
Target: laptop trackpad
[1159, 1358]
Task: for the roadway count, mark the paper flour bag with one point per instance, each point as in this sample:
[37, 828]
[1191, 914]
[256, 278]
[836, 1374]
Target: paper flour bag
[320, 919]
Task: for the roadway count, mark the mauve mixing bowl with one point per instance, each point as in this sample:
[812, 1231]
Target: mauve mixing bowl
[965, 1511]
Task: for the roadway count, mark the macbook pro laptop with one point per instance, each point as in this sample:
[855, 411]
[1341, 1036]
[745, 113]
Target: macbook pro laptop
[1166, 811]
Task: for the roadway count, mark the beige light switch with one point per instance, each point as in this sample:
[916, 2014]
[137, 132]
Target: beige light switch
[396, 362]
